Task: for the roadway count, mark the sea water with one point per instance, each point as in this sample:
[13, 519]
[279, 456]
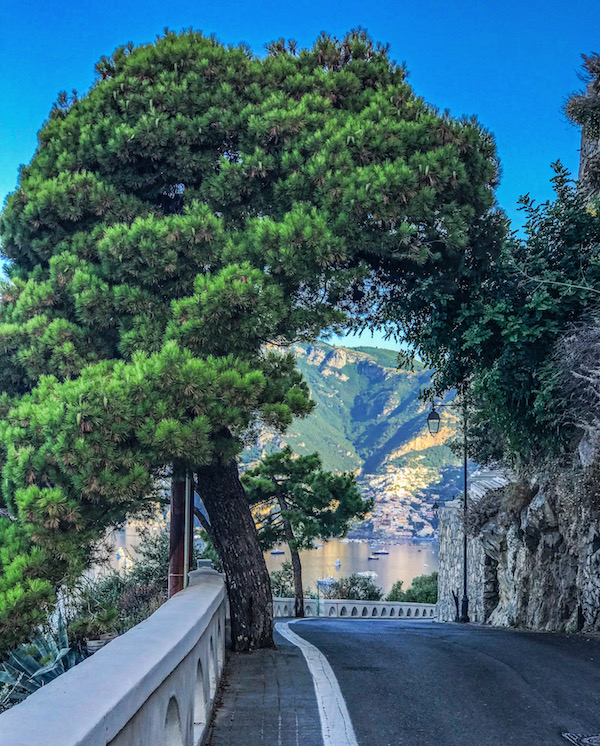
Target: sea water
[405, 561]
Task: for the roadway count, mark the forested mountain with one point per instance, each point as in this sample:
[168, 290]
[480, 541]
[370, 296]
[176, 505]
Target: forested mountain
[370, 420]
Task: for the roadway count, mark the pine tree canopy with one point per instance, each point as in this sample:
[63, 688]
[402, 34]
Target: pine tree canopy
[319, 504]
[196, 206]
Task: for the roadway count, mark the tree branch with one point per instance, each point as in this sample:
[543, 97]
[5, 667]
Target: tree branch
[203, 522]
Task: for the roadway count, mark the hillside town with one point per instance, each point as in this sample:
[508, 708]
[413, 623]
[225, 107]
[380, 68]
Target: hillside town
[404, 499]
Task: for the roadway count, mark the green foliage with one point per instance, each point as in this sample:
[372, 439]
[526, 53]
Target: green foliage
[282, 581]
[198, 203]
[26, 669]
[422, 590]
[102, 622]
[316, 504]
[396, 593]
[503, 338]
[117, 601]
[355, 588]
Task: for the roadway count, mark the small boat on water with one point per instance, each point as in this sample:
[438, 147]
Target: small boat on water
[372, 558]
[326, 581]
[381, 551]
[277, 551]
[337, 564]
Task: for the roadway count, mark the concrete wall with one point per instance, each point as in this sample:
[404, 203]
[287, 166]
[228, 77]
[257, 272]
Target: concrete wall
[284, 607]
[153, 686]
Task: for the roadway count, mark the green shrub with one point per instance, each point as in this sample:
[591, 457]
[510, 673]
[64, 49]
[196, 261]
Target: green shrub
[117, 601]
[423, 590]
[102, 622]
[396, 594]
[282, 581]
[355, 588]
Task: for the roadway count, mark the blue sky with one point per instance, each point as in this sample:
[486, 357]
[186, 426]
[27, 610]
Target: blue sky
[510, 63]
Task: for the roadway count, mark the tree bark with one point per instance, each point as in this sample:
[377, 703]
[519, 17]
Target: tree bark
[296, 564]
[176, 534]
[234, 535]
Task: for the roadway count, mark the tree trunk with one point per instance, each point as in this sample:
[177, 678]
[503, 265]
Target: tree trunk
[176, 534]
[298, 590]
[234, 536]
[296, 564]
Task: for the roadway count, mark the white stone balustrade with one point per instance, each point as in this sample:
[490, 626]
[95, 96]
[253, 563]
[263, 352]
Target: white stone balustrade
[154, 685]
[284, 607]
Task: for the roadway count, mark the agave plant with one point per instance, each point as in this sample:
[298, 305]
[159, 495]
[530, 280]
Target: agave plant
[30, 667]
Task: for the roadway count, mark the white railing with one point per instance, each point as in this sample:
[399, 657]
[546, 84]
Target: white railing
[284, 607]
[154, 685]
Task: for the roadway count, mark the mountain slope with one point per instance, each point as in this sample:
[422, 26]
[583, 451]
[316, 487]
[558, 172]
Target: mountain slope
[369, 419]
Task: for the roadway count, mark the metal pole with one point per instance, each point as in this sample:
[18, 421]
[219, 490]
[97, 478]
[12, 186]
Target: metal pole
[186, 535]
[464, 612]
[176, 537]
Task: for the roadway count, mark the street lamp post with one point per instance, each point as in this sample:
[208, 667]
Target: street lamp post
[433, 423]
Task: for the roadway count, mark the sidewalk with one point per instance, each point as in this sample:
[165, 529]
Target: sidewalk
[267, 698]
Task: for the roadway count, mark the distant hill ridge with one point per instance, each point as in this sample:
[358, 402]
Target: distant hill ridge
[369, 420]
[368, 417]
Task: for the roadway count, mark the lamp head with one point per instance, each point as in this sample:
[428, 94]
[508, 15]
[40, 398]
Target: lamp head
[433, 422]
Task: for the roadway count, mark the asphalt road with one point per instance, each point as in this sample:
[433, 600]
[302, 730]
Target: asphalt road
[428, 684]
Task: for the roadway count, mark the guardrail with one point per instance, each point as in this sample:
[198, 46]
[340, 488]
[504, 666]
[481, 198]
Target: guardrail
[284, 607]
[155, 685]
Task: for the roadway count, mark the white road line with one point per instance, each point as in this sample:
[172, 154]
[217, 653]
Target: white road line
[336, 726]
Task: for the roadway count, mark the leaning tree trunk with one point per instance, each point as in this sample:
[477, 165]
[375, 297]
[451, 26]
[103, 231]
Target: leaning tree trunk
[234, 535]
[296, 564]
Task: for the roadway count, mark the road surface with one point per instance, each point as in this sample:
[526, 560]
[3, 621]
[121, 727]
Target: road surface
[415, 684]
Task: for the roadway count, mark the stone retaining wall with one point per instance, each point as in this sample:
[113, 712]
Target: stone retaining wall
[450, 571]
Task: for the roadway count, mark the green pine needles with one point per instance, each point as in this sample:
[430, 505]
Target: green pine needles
[196, 212]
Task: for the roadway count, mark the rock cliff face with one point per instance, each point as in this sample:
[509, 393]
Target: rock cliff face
[535, 566]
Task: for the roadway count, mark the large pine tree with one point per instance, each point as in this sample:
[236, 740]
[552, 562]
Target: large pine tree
[196, 206]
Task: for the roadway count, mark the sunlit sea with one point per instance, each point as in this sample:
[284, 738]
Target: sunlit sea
[404, 562]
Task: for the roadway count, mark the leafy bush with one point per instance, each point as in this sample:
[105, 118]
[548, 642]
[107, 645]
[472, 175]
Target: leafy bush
[354, 588]
[282, 581]
[31, 666]
[423, 590]
[118, 601]
[396, 594]
[101, 622]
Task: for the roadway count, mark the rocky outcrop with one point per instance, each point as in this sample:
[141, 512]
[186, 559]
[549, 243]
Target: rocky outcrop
[537, 567]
